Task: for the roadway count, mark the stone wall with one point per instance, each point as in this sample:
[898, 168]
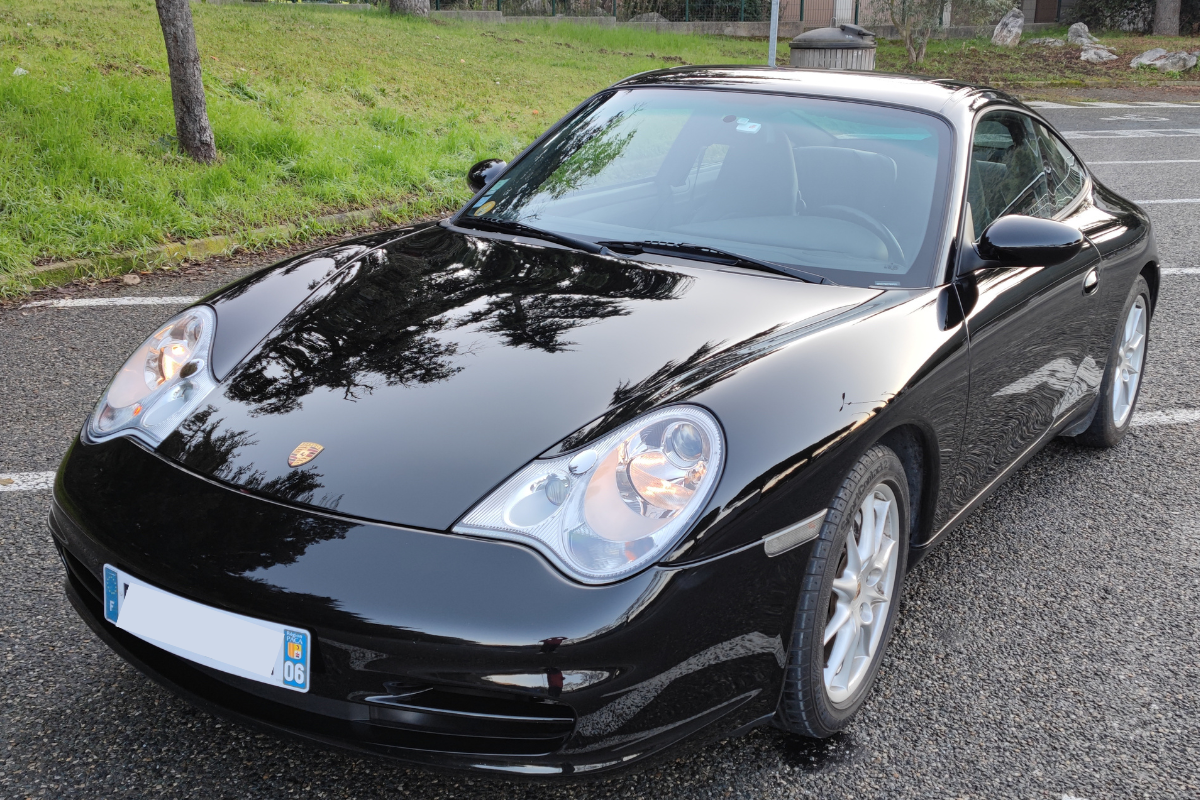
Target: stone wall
[754, 30]
[751, 30]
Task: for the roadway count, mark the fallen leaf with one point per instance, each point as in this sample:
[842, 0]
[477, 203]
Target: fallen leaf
[6, 481]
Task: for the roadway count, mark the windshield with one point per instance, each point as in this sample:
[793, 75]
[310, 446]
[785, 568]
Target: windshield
[848, 191]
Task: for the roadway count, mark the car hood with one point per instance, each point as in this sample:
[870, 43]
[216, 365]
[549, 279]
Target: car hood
[430, 369]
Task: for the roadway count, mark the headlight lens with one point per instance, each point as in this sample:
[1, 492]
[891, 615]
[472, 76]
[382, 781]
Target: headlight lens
[163, 381]
[612, 508]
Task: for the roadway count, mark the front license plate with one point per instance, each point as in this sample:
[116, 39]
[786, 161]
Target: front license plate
[251, 648]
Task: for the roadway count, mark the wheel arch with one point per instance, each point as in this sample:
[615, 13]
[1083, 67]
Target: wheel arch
[1153, 278]
[917, 451]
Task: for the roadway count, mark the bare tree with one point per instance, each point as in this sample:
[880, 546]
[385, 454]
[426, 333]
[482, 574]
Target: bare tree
[915, 21]
[1166, 18]
[918, 20]
[418, 7]
[187, 89]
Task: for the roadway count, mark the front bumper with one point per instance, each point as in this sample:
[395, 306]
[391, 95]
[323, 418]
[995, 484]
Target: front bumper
[431, 647]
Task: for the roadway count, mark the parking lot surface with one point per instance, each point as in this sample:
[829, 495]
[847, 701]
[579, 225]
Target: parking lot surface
[1047, 649]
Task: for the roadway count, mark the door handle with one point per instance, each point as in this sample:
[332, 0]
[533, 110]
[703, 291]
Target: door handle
[1091, 281]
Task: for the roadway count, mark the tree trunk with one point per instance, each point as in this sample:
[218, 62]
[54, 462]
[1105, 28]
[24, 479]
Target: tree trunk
[421, 7]
[187, 90]
[1166, 18]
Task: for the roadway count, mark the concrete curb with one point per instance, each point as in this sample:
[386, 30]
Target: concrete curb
[338, 6]
[197, 249]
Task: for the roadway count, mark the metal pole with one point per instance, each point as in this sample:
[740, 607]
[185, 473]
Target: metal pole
[687, 11]
[742, 15]
[774, 33]
[855, 12]
[802, 16]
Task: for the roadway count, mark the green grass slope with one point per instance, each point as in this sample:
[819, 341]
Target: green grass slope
[314, 110]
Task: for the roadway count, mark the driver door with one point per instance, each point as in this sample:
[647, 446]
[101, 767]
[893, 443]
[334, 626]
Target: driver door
[1027, 326]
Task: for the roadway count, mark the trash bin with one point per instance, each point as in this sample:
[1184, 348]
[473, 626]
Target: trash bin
[841, 47]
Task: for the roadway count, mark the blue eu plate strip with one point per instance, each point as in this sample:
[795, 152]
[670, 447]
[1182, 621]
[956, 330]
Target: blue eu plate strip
[112, 603]
[295, 659]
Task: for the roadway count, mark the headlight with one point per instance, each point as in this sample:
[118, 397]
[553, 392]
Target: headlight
[612, 508]
[163, 381]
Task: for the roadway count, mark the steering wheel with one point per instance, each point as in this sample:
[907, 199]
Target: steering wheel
[848, 214]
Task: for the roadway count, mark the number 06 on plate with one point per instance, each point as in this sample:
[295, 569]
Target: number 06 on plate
[250, 648]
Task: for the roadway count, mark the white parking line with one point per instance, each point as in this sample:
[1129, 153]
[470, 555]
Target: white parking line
[26, 481]
[1180, 416]
[1157, 161]
[1168, 202]
[113, 301]
[1180, 271]
[1133, 133]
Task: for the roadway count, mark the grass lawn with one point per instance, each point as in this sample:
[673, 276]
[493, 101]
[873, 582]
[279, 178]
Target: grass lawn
[1030, 66]
[314, 110]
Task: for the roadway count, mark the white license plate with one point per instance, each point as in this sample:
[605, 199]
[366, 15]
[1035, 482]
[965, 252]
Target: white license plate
[251, 648]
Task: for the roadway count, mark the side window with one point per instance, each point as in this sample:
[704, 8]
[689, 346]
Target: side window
[1007, 175]
[1063, 172]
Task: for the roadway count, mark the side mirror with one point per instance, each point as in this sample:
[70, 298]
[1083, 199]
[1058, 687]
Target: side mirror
[1017, 241]
[484, 173]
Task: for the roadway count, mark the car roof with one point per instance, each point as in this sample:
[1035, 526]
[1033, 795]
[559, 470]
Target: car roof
[936, 95]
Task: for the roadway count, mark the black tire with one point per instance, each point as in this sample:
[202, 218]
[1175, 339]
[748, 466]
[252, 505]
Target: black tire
[1104, 432]
[805, 706]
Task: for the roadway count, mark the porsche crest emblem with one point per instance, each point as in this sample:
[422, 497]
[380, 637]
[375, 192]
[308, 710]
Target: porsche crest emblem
[304, 453]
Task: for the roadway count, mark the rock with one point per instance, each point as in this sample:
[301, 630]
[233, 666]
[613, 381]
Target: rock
[1008, 29]
[1047, 42]
[18, 72]
[1175, 62]
[1097, 55]
[129, 279]
[653, 16]
[1078, 34]
[1147, 58]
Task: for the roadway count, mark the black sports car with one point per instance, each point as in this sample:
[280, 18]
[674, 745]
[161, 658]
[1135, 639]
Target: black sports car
[637, 446]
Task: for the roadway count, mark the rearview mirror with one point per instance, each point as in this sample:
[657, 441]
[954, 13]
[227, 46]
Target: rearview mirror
[1017, 241]
[483, 173]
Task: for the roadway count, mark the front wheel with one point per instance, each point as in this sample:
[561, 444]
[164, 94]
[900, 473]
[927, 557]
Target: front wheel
[848, 598]
[1123, 376]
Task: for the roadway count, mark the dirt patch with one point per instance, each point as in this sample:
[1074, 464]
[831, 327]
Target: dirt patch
[1038, 68]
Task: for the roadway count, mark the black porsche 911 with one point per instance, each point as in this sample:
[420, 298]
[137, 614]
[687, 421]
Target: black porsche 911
[637, 446]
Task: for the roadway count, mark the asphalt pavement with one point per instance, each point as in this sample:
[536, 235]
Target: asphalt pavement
[1047, 649]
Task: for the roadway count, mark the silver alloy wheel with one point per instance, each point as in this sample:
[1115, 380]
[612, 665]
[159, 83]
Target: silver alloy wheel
[1129, 362]
[862, 594]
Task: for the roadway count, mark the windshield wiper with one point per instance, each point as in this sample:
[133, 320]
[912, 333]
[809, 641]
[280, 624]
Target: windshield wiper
[521, 229]
[713, 255]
